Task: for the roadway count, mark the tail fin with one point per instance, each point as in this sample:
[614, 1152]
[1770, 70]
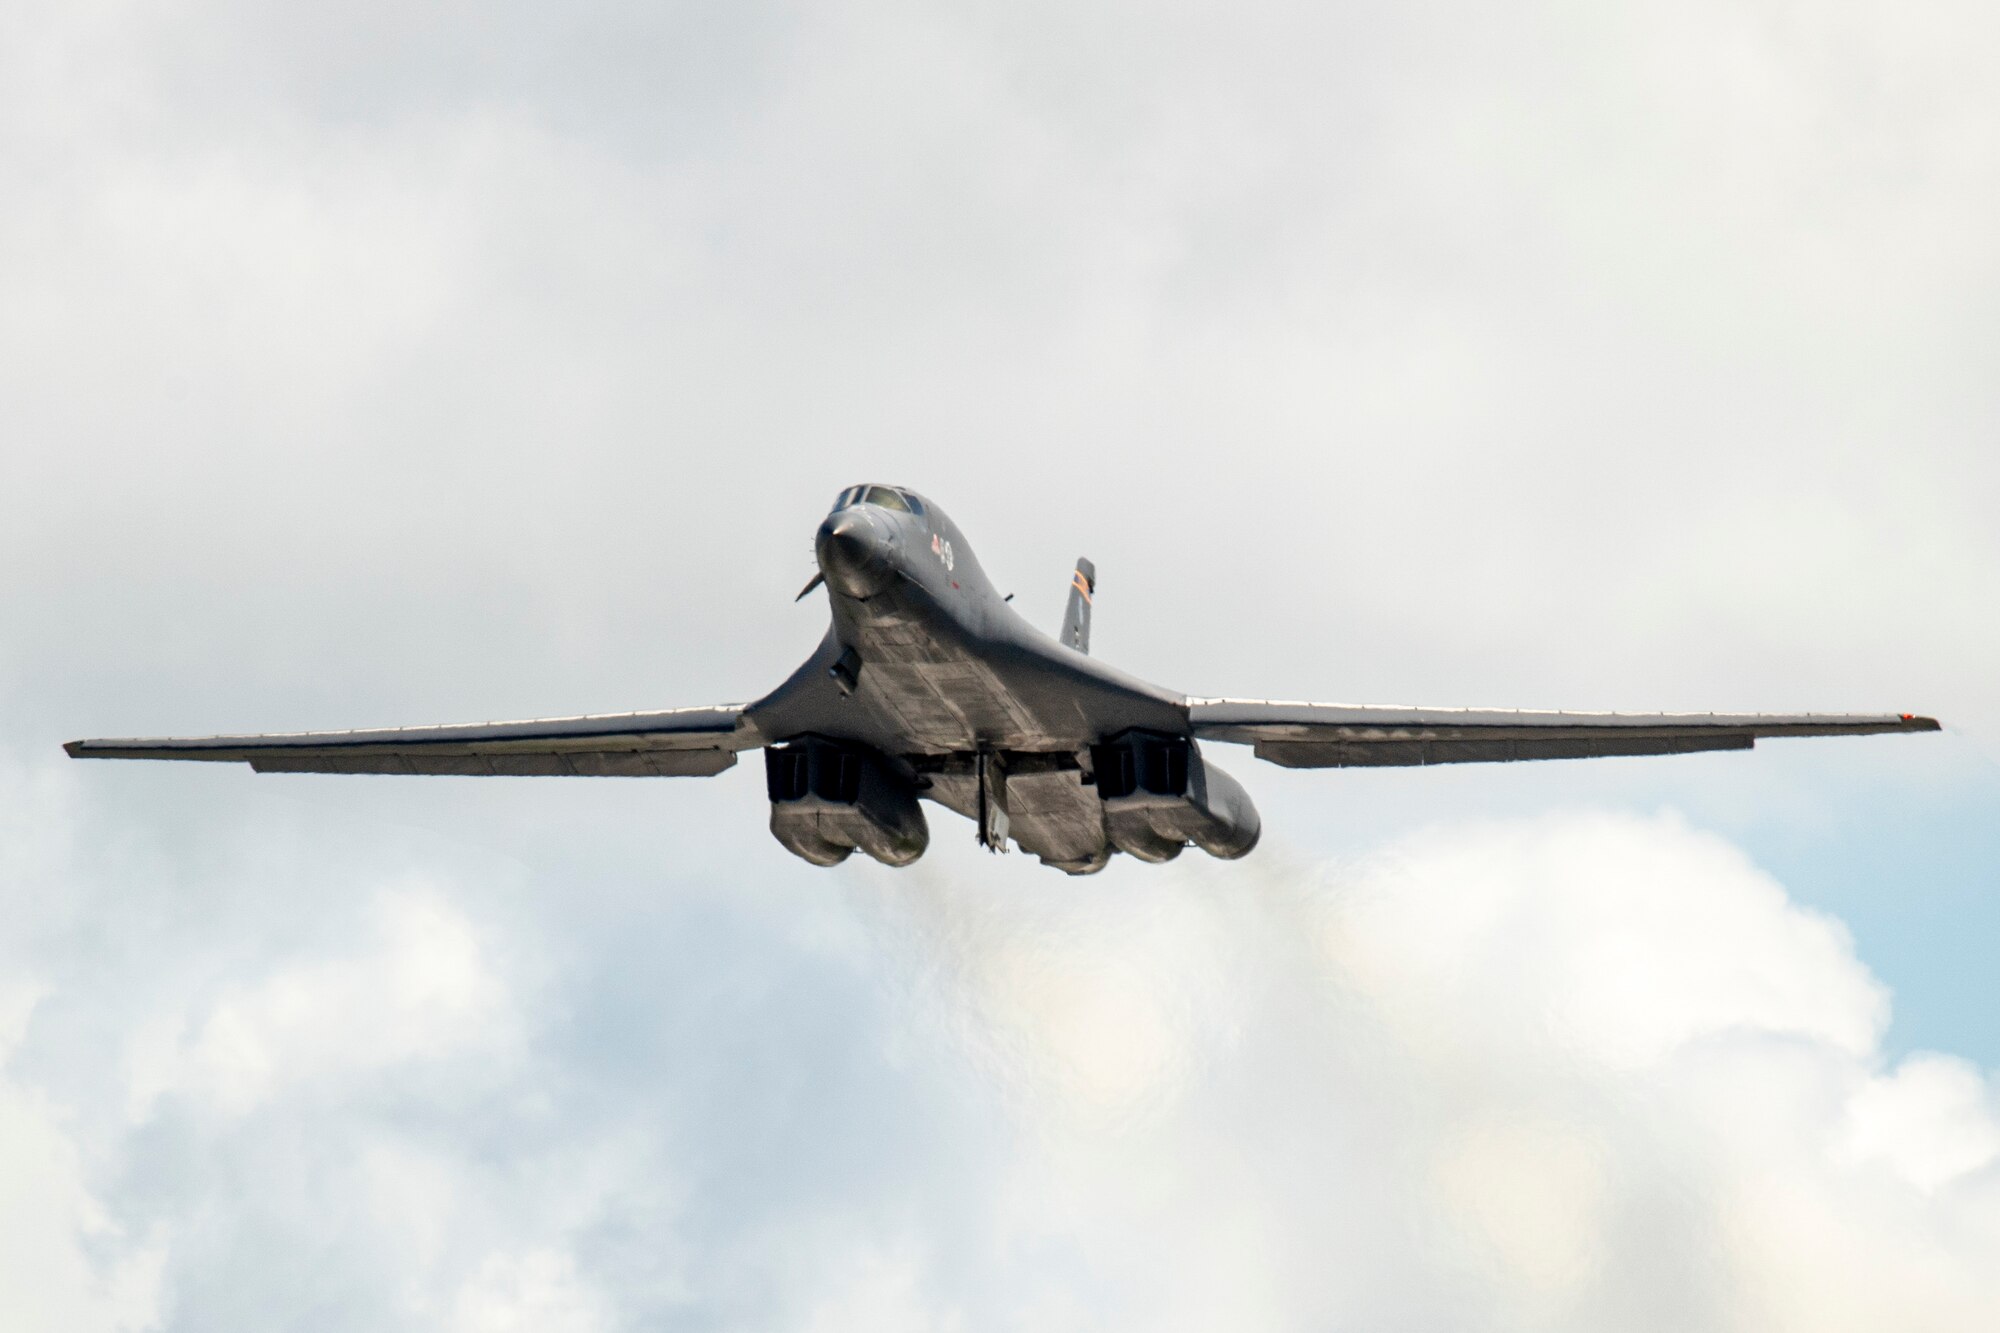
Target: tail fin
[1076, 620]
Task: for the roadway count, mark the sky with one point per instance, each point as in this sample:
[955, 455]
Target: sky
[370, 364]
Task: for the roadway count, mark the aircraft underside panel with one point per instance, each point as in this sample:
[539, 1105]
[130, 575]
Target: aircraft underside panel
[932, 700]
[1051, 815]
[1056, 817]
[947, 704]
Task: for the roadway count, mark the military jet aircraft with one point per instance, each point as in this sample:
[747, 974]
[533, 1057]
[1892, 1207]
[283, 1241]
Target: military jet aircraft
[929, 686]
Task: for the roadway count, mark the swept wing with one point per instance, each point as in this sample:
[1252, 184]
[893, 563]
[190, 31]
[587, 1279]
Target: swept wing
[680, 742]
[1311, 735]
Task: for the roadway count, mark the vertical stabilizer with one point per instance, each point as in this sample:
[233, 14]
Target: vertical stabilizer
[1076, 620]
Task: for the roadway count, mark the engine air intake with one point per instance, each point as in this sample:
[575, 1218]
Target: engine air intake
[1139, 762]
[1159, 795]
[830, 798]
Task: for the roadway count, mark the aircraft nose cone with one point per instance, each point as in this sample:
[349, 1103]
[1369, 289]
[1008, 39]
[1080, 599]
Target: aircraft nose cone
[853, 550]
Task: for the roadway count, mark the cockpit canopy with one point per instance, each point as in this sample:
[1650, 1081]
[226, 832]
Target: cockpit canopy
[882, 497]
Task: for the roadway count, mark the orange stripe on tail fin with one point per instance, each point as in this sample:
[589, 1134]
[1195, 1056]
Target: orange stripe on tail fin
[1076, 617]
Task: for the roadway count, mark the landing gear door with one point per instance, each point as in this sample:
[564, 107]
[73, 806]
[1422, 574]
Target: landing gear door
[993, 821]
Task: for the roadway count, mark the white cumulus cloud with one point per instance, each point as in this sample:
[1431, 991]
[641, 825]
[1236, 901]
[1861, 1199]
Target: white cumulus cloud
[424, 987]
[1574, 1072]
[52, 1227]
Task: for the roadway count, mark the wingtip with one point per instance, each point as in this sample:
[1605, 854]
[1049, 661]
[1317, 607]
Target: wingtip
[76, 749]
[1912, 722]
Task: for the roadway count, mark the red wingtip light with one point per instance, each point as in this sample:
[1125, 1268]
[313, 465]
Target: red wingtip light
[1907, 717]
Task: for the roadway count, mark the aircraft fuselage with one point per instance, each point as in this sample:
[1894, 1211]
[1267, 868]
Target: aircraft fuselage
[926, 663]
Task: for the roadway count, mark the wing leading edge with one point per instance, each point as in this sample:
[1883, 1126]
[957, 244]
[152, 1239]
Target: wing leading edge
[1308, 735]
[680, 742]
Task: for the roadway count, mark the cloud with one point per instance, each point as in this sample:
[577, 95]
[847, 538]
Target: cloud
[53, 1230]
[526, 1292]
[1930, 1121]
[426, 990]
[1636, 956]
[1568, 1072]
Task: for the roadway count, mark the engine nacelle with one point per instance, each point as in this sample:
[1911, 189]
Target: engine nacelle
[1159, 794]
[829, 799]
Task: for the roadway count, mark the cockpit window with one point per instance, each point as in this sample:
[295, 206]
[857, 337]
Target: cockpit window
[883, 497]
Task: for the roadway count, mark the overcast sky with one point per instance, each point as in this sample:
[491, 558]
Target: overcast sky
[365, 364]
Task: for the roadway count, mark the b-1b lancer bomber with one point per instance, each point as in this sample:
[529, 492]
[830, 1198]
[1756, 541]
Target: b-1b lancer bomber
[928, 686]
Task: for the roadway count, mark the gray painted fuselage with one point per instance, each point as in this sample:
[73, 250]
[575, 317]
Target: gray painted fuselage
[946, 669]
